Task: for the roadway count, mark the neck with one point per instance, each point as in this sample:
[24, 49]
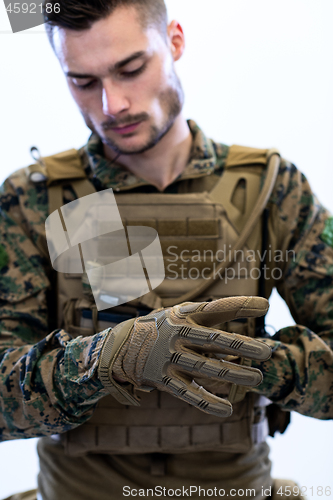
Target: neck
[163, 163]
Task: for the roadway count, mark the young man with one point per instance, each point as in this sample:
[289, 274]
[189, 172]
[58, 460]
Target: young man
[118, 57]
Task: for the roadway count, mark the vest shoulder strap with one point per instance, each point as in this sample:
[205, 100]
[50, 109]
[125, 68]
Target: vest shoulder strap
[239, 156]
[68, 164]
[55, 169]
[59, 167]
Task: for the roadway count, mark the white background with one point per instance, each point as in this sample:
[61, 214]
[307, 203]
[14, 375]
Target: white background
[255, 72]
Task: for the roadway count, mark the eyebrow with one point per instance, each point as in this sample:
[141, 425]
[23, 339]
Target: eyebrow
[116, 66]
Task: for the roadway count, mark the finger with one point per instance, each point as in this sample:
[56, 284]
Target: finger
[222, 310]
[197, 396]
[228, 343]
[198, 365]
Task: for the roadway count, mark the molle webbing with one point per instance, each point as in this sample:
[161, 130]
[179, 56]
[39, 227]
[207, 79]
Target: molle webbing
[164, 424]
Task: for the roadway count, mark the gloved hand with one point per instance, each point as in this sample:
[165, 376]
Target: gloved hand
[164, 350]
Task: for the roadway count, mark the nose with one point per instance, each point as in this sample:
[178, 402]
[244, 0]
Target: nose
[114, 99]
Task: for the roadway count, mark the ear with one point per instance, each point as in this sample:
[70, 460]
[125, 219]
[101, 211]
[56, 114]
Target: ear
[176, 39]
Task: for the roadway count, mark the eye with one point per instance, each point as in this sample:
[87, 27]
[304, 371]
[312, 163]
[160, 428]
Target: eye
[136, 72]
[83, 86]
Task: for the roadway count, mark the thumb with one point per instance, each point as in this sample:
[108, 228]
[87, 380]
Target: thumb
[223, 310]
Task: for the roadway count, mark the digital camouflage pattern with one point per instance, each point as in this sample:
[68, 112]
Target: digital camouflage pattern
[49, 383]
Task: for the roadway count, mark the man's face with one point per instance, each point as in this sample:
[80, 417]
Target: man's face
[123, 80]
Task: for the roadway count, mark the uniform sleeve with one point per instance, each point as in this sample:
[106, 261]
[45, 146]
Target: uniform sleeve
[48, 381]
[299, 376]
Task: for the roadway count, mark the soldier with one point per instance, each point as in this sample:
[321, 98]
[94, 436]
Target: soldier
[86, 386]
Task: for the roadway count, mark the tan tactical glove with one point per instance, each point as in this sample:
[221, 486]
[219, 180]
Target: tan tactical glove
[165, 350]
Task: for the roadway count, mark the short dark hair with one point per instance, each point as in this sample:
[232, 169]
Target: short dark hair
[80, 15]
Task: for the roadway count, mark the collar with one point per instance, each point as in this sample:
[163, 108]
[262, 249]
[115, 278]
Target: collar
[205, 158]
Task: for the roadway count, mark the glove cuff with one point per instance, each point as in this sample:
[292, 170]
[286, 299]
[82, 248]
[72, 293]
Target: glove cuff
[112, 345]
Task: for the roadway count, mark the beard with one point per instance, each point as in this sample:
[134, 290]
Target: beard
[171, 102]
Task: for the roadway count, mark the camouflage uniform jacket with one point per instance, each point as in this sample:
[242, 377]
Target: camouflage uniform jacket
[49, 383]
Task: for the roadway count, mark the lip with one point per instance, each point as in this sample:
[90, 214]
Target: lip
[127, 129]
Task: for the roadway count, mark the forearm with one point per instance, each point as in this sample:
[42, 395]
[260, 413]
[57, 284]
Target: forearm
[49, 387]
[299, 375]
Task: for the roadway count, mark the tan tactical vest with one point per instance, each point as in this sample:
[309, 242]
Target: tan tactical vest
[198, 232]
